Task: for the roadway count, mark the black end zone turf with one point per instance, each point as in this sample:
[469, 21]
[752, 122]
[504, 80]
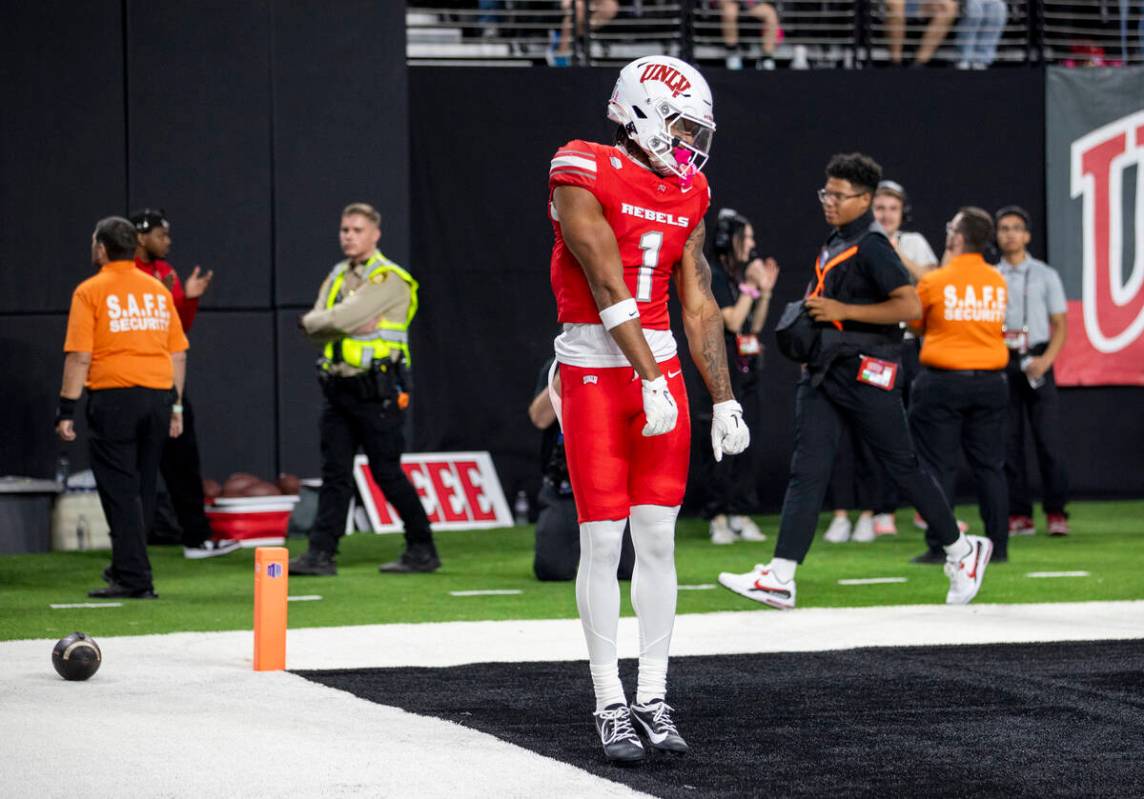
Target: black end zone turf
[1029, 720]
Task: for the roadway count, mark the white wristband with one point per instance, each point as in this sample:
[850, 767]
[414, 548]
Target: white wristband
[176, 408]
[622, 311]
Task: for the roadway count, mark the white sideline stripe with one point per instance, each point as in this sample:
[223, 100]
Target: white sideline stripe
[304, 598]
[573, 161]
[1058, 574]
[488, 592]
[700, 587]
[875, 581]
[70, 605]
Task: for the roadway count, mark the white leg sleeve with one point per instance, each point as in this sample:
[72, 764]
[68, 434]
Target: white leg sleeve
[653, 594]
[598, 598]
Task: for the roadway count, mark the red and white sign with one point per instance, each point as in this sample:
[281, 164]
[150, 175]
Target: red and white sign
[1106, 324]
[459, 490]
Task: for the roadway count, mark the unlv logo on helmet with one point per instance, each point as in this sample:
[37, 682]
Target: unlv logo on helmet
[670, 77]
[1113, 307]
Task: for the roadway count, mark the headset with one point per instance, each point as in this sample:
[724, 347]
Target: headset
[896, 189]
[729, 224]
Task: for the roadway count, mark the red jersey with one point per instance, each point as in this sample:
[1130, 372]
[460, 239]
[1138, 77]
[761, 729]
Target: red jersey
[185, 307]
[651, 215]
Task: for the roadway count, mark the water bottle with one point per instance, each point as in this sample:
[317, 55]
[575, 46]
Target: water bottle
[82, 533]
[520, 508]
[63, 469]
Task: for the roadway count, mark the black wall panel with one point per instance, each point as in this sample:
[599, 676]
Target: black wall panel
[231, 381]
[340, 132]
[299, 399]
[61, 145]
[198, 78]
[32, 364]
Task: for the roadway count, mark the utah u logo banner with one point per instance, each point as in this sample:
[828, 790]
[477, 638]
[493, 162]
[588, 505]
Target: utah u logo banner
[1094, 170]
[1113, 305]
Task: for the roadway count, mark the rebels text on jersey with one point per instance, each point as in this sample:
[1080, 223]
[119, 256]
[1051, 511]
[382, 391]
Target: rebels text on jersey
[652, 216]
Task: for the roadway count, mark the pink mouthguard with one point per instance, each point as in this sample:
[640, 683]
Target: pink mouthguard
[685, 158]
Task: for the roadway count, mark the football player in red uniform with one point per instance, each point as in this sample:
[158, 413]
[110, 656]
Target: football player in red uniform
[628, 219]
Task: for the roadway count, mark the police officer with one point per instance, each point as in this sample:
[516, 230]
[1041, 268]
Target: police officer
[961, 397]
[126, 345]
[860, 295]
[361, 318]
[1036, 325]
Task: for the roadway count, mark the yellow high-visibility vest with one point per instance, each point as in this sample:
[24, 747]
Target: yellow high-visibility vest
[362, 351]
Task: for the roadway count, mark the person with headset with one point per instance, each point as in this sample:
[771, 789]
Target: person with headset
[742, 288]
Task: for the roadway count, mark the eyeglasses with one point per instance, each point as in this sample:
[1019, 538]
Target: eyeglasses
[836, 197]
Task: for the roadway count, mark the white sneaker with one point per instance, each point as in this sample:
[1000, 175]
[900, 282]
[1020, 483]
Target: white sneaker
[839, 530]
[721, 532]
[746, 529]
[884, 524]
[864, 530]
[967, 574]
[734, 62]
[761, 585]
[211, 549]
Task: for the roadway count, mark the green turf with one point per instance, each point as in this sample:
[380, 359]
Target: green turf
[1107, 541]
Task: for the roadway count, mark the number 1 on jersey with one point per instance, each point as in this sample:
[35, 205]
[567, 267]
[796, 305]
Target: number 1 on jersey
[650, 243]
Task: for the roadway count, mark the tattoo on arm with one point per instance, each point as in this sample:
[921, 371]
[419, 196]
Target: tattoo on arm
[712, 354]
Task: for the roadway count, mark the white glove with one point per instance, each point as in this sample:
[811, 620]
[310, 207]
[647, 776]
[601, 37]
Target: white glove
[729, 432]
[659, 407]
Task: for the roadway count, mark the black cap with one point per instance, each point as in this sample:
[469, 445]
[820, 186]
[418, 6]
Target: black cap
[149, 218]
[1013, 210]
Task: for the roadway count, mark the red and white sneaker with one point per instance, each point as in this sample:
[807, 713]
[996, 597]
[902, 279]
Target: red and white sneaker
[1058, 524]
[966, 575]
[884, 524]
[762, 585]
[1023, 525]
[920, 523]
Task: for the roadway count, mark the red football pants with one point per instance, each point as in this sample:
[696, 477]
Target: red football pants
[612, 465]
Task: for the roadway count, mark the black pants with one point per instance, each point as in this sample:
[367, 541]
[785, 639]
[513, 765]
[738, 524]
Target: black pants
[955, 411]
[857, 480]
[880, 420]
[350, 420]
[880, 486]
[127, 429]
[731, 482]
[557, 554]
[1042, 406]
[182, 472]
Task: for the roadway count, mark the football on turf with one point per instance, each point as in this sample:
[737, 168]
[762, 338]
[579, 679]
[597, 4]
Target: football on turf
[76, 657]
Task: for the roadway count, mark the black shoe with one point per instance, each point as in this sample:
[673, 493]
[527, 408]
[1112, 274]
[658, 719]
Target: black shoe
[621, 744]
[314, 563]
[116, 591]
[418, 558]
[653, 721]
[930, 556]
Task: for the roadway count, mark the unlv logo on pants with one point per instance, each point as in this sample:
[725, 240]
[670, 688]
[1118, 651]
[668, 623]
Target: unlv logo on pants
[1113, 308]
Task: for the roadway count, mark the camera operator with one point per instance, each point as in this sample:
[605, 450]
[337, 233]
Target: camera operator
[742, 287]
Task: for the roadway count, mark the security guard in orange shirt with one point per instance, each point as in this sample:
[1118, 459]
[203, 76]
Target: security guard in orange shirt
[126, 346]
[961, 397]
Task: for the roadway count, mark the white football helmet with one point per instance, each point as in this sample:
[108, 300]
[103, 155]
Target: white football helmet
[665, 106]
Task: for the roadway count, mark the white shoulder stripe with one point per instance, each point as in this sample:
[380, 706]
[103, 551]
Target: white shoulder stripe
[574, 161]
